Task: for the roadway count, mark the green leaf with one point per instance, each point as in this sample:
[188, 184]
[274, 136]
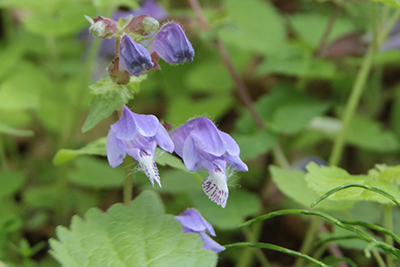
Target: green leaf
[395, 3]
[107, 96]
[67, 19]
[140, 235]
[11, 182]
[97, 147]
[241, 204]
[95, 173]
[293, 184]
[322, 179]
[13, 131]
[369, 134]
[252, 145]
[10, 218]
[23, 89]
[175, 181]
[107, 3]
[283, 110]
[260, 27]
[295, 61]
[213, 106]
[170, 160]
[310, 27]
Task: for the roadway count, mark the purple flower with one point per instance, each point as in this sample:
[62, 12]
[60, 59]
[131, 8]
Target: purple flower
[172, 45]
[137, 135]
[193, 222]
[134, 57]
[201, 145]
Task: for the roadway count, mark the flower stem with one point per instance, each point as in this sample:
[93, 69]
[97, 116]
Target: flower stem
[351, 106]
[357, 89]
[308, 241]
[246, 256]
[388, 238]
[378, 257]
[197, 176]
[128, 185]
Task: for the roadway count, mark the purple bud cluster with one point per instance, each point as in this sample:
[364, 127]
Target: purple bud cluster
[140, 42]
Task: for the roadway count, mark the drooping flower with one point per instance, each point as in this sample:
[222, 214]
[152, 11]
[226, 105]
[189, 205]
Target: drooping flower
[138, 135]
[172, 45]
[201, 145]
[134, 57]
[193, 222]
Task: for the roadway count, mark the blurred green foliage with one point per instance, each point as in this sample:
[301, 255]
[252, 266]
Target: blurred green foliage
[53, 85]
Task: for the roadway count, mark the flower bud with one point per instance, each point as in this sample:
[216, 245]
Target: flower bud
[172, 45]
[150, 24]
[134, 57]
[102, 27]
[142, 25]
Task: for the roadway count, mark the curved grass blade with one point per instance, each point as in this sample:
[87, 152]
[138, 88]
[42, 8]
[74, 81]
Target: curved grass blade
[278, 248]
[363, 235]
[374, 189]
[336, 238]
[337, 259]
[374, 227]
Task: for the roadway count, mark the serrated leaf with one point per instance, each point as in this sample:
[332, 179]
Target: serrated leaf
[252, 145]
[241, 204]
[97, 147]
[13, 131]
[293, 184]
[321, 179]
[11, 182]
[140, 235]
[95, 173]
[107, 96]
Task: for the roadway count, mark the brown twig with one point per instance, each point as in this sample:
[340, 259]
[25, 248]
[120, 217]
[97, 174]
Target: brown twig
[322, 44]
[241, 87]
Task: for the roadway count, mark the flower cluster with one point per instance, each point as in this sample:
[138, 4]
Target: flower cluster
[140, 42]
[198, 142]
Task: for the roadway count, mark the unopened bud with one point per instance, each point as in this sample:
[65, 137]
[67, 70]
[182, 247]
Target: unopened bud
[102, 27]
[150, 24]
